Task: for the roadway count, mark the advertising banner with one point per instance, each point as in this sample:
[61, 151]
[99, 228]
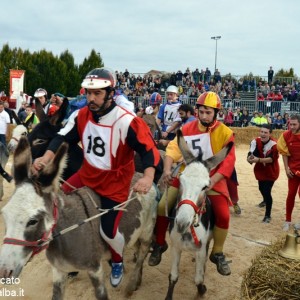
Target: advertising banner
[16, 80]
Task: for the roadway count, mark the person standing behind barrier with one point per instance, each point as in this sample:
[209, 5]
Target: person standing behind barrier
[263, 152]
[168, 117]
[270, 75]
[211, 136]
[288, 146]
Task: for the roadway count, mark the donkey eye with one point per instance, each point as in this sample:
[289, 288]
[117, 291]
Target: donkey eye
[31, 222]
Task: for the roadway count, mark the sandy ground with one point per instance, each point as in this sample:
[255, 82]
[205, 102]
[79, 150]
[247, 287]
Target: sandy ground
[247, 236]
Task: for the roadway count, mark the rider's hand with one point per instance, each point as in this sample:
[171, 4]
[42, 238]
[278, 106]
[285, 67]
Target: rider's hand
[167, 177]
[143, 185]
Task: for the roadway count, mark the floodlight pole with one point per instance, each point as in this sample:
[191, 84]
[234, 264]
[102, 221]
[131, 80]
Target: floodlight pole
[216, 38]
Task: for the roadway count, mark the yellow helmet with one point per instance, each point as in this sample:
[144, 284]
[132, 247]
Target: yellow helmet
[209, 99]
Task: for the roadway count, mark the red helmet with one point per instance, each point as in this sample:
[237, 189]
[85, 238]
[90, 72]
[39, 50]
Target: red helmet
[209, 99]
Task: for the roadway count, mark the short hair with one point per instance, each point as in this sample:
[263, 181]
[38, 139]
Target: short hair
[295, 117]
[186, 108]
[267, 126]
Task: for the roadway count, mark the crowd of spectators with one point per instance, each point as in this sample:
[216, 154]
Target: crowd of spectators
[192, 83]
[270, 93]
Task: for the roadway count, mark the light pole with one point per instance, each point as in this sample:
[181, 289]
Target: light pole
[216, 38]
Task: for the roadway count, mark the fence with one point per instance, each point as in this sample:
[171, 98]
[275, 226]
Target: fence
[251, 105]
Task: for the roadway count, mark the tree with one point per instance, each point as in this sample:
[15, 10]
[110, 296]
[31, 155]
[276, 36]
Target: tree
[90, 63]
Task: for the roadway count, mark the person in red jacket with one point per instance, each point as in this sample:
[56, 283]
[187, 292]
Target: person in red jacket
[263, 152]
[110, 135]
[288, 146]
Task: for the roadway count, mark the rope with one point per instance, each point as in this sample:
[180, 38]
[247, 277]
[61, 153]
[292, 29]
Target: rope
[120, 206]
[251, 240]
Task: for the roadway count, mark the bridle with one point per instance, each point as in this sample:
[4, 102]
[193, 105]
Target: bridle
[199, 210]
[42, 243]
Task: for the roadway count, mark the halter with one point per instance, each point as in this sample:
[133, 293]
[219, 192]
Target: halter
[41, 244]
[198, 211]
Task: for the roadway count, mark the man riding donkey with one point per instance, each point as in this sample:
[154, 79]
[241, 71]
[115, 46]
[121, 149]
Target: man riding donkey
[211, 136]
[109, 135]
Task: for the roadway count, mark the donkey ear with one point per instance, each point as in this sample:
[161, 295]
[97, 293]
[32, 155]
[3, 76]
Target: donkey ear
[186, 153]
[52, 172]
[22, 161]
[40, 111]
[212, 162]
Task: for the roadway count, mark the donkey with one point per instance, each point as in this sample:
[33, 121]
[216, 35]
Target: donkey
[38, 215]
[42, 134]
[192, 228]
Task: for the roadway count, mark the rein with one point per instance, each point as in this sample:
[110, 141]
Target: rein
[199, 210]
[43, 243]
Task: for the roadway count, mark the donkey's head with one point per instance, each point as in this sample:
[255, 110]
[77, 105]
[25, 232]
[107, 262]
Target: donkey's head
[193, 182]
[17, 133]
[31, 212]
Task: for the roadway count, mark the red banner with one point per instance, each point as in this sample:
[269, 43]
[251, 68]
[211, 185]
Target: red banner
[16, 81]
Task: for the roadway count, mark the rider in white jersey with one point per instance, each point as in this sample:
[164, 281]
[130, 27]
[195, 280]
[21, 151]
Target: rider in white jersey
[168, 116]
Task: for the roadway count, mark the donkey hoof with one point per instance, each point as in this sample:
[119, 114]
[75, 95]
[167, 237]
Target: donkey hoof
[201, 289]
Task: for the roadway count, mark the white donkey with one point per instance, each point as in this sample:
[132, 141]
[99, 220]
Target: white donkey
[193, 224]
[39, 216]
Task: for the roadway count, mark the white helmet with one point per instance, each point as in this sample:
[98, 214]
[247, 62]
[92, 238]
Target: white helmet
[99, 78]
[172, 89]
[40, 92]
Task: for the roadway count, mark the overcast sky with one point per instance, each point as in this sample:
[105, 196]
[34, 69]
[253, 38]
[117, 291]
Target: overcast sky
[166, 35]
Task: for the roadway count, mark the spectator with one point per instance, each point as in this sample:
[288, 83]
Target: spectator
[288, 146]
[261, 103]
[4, 120]
[207, 75]
[245, 118]
[270, 75]
[263, 152]
[31, 119]
[228, 119]
[278, 122]
[179, 77]
[196, 76]
[220, 116]
[21, 112]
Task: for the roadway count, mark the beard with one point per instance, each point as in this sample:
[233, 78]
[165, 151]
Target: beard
[206, 124]
[93, 107]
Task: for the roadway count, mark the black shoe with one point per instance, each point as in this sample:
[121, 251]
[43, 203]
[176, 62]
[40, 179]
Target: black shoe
[155, 257]
[7, 177]
[266, 220]
[222, 264]
[262, 204]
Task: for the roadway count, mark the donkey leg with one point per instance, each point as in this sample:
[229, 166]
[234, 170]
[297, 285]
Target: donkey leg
[135, 278]
[201, 258]
[97, 279]
[173, 276]
[59, 282]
